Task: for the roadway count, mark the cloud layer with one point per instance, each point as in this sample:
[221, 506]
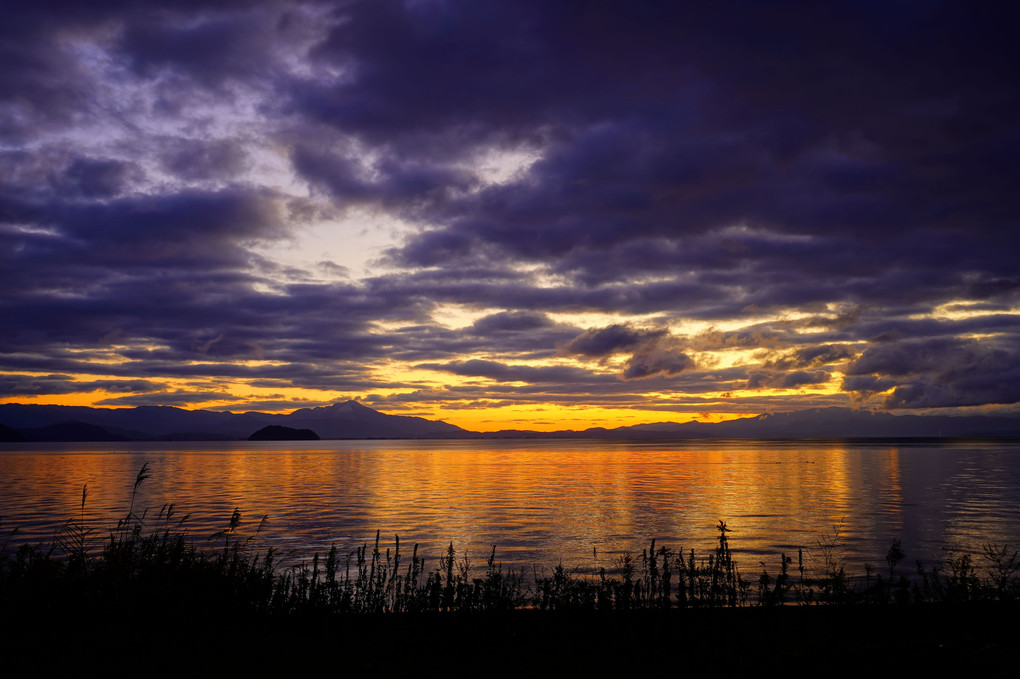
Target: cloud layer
[661, 207]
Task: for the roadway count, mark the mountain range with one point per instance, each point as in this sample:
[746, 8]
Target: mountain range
[352, 420]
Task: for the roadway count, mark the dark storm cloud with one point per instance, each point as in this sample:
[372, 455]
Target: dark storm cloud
[602, 342]
[183, 225]
[204, 160]
[30, 385]
[97, 177]
[31, 181]
[652, 352]
[510, 322]
[395, 184]
[39, 85]
[168, 398]
[45, 85]
[500, 372]
[812, 356]
[124, 385]
[851, 161]
[941, 372]
[656, 361]
[425, 72]
[189, 230]
[889, 329]
[758, 379]
[521, 335]
[852, 127]
[755, 336]
[209, 51]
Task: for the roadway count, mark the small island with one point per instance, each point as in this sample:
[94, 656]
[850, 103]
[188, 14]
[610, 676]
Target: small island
[275, 432]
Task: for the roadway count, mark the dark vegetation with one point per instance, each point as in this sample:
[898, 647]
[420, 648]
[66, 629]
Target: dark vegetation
[149, 568]
[276, 432]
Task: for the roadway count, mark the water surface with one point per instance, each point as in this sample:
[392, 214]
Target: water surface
[540, 503]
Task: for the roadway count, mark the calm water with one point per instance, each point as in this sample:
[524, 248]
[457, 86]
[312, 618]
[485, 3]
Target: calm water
[543, 502]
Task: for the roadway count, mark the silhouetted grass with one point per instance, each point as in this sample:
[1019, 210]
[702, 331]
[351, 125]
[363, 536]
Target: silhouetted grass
[152, 563]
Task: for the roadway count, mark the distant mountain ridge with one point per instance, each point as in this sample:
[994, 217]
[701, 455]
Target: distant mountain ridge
[352, 420]
[347, 420]
[812, 423]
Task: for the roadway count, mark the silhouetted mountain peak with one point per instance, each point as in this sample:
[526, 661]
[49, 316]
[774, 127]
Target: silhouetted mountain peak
[349, 406]
[346, 410]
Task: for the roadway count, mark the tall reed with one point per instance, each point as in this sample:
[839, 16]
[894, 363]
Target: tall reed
[152, 561]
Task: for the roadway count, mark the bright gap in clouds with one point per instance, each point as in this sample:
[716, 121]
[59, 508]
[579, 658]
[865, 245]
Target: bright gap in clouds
[354, 241]
[502, 165]
[459, 316]
[354, 237]
[961, 309]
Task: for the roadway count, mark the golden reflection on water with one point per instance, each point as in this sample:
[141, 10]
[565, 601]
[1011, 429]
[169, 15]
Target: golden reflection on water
[539, 502]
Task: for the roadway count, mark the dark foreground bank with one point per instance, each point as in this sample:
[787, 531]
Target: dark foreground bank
[969, 638]
[143, 596]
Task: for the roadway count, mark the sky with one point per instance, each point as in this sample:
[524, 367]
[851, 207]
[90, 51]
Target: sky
[511, 214]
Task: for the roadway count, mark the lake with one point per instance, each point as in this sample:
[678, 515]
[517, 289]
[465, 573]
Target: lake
[579, 503]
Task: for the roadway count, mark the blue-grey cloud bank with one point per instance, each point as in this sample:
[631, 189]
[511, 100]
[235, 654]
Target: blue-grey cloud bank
[479, 206]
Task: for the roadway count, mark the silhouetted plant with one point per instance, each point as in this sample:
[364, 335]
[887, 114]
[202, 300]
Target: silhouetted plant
[774, 593]
[835, 585]
[1002, 571]
[153, 560]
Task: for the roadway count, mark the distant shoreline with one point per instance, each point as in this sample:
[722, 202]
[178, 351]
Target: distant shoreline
[351, 420]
